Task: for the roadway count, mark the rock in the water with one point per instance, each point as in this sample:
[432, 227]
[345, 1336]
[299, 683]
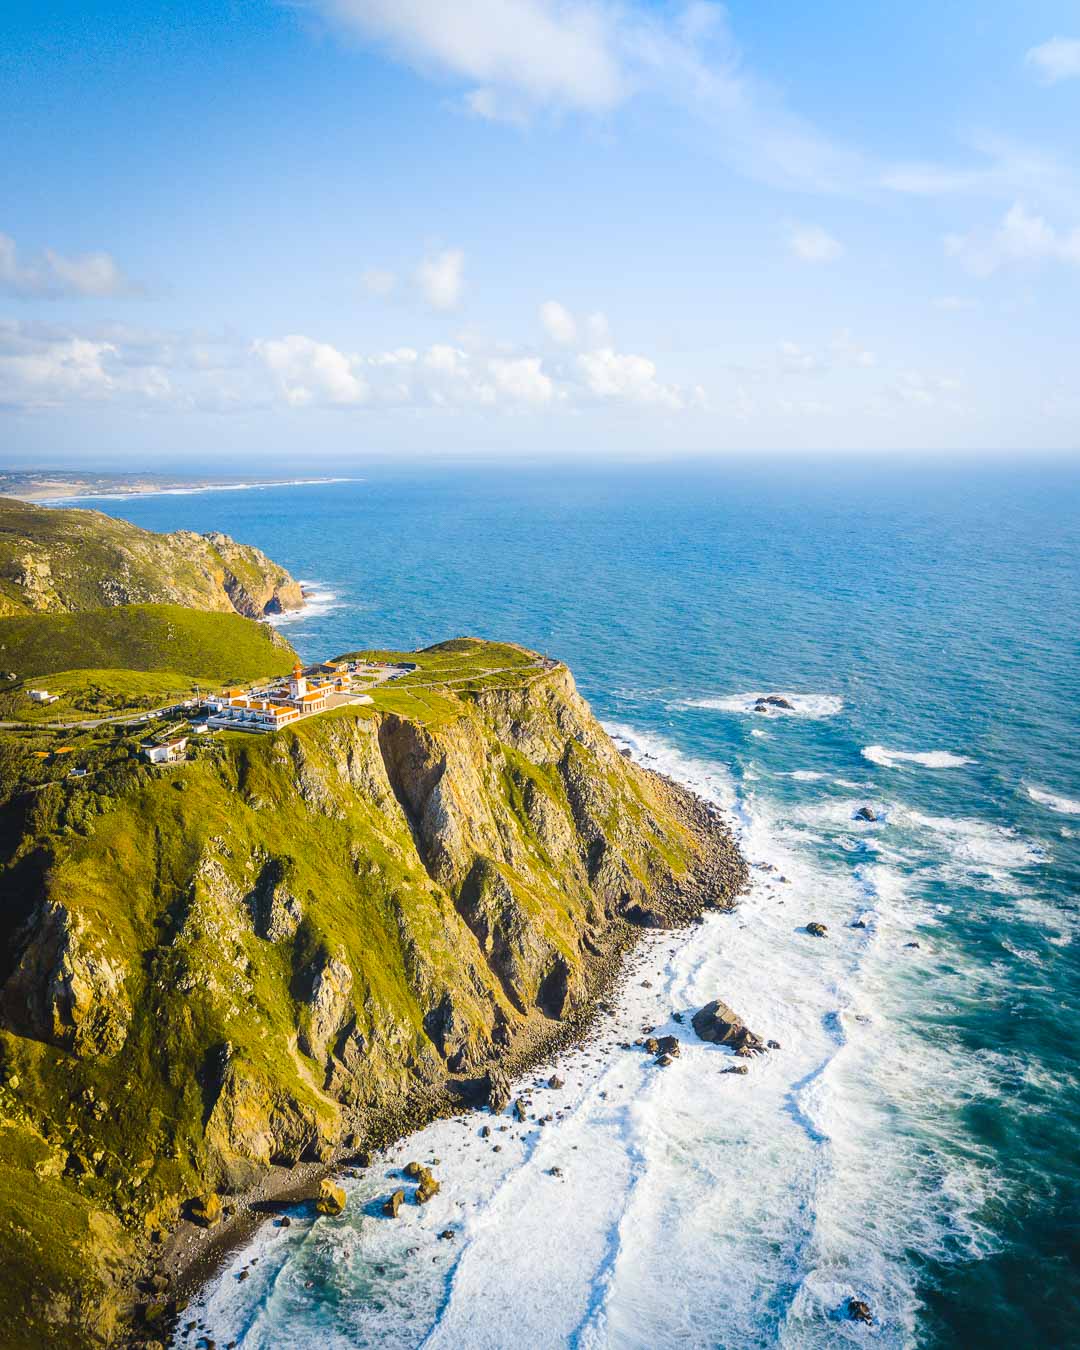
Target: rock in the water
[669, 1045]
[912, 944]
[717, 1023]
[284, 1222]
[555, 1081]
[774, 1045]
[519, 1109]
[859, 1311]
[817, 930]
[412, 1169]
[428, 1187]
[857, 923]
[865, 813]
[331, 1198]
[390, 1207]
[205, 1210]
[736, 1068]
[447, 1235]
[664, 1061]
[652, 1045]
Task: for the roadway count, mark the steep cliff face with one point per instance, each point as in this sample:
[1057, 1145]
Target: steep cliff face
[311, 938]
[57, 560]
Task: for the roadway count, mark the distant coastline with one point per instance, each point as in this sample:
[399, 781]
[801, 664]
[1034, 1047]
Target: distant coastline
[56, 489]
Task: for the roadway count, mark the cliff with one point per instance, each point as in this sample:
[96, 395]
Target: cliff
[299, 946]
[56, 560]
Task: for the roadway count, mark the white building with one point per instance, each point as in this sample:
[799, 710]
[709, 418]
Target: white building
[42, 696]
[167, 752]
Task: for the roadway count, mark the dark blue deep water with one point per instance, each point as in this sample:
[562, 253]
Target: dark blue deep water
[928, 621]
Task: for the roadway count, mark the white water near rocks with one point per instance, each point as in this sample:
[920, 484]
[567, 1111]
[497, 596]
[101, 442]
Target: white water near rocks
[694, 1208]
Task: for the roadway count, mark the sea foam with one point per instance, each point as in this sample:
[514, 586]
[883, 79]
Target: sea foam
[802, 705]
[928, 759]
[1053, 801]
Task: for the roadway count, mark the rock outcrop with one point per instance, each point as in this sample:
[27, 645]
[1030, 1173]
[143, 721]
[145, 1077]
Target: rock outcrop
[717, 1023]
[66, 560]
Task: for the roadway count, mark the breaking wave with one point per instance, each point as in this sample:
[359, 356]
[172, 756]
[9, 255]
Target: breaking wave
[929, 759]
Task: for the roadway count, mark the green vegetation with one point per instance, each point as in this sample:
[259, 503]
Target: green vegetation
[134, 657]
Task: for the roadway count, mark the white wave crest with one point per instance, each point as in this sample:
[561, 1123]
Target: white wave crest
[802, 705]
[317, 602]
[1065, 806]
[929, 759]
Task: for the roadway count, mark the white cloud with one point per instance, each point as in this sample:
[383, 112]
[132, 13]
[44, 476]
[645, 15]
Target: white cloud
[545, 50]
[55, 276]
[848, 349]
[1058, 59]
[441, 278]
[813, 244]
[1022, 237]
[378, 281]
[796, 360]
[522, 379]
[309, 371]
[520, 57]
[559, 324]
[632, 379]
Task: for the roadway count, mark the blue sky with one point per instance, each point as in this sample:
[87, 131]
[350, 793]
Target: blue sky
[347, 229]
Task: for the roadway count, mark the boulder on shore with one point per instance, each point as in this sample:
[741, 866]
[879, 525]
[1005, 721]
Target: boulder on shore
[717, 1023]
[331, 1198]
[497, 1091]
[205, 1210]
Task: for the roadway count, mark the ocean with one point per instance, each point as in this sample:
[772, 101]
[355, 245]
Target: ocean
[916, 1141]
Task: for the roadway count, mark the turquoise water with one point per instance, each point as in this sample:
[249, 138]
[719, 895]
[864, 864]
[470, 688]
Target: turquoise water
[927, 1135]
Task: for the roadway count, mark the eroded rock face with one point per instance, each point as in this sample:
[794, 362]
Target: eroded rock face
[328, 1000]
[92, 560]
[66, 988]
[716, 1022]
[275, 911]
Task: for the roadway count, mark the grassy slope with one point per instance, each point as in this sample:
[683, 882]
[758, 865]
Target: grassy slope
[133, 656]
[124, 847]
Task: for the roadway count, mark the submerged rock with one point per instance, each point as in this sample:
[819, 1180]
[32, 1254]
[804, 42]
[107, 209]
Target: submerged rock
[718, 1024]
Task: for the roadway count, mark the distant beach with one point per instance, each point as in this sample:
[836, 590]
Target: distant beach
[67, 490]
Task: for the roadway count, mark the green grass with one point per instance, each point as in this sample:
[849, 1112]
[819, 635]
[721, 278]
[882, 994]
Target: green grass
[212, 647]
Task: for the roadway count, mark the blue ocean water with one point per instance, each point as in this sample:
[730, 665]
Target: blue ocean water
[920, 1143]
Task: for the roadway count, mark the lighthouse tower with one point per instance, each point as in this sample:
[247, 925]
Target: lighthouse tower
[297, 681]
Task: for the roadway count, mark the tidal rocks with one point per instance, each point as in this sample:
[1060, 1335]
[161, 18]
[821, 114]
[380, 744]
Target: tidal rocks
[520, 1109]
[664, 1061]
[736, 1068]
[428, 1187]
[866, 813]
[413, 1170]
[331, 1198]
[669, 1045]
[717, 1023]
[555, 1082]
[859, 1311]
[769, 701]
[773, 1045]
[393, 1204]
[205, 1210]
[817, 930]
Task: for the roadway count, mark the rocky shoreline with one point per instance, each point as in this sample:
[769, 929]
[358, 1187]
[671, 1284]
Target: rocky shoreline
[192, 1255]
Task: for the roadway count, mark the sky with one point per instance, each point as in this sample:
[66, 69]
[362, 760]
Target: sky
[316, 233]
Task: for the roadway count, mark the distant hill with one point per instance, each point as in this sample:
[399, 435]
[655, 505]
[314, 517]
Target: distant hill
[211, 647]
[68, 560]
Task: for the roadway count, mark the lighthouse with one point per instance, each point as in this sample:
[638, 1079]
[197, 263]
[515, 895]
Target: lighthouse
[297, 681]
